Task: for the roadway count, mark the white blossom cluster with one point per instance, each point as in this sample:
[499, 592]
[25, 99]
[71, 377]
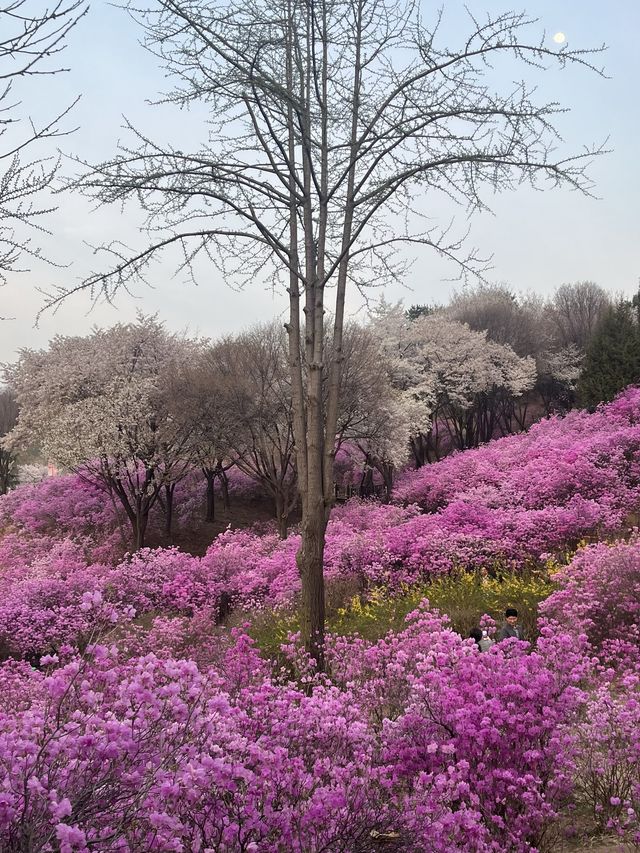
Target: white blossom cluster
[434, 357]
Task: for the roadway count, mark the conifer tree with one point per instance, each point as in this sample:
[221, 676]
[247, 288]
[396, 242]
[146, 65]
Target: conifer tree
[613, 356]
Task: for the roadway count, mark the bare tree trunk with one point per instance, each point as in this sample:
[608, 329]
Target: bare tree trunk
[139, 526]
[310, 559]
[366, 481]
[137, 510]
[282, 514]
[169, 491]
[221, 472]
[224, 488]
[210, 477]
[387, 476]
[7, 464]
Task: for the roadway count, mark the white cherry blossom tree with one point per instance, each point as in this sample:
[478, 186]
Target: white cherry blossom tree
[105, 406]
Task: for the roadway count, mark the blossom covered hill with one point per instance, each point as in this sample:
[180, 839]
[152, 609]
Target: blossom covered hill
[129, 721]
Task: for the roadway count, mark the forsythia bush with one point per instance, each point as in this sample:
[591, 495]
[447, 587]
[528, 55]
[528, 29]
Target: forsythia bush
[462, 596]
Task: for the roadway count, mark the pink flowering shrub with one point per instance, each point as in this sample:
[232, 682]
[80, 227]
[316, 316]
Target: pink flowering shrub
[598, 594]
[592, 458]
[43, 604]
[478, 742]
[607, 776]
[485, 731]
[419, 735]
[151, 754]
[180, 736]
[58, 508]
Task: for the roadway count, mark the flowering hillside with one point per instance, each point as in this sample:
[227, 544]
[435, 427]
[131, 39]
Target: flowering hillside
[131, 719]
[580, 459]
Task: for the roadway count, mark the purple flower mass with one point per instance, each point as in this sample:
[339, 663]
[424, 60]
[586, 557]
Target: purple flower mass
[129, 722]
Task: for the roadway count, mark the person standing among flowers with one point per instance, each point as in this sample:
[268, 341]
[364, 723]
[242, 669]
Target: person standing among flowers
[510, 627]
[482, 638]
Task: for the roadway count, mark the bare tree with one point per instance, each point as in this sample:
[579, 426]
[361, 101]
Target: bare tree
[576, 311]
[251, 374]
[201, 401]
[31, 38]
[8, 419]
[506, 317]
[554, 331]
[326, 119]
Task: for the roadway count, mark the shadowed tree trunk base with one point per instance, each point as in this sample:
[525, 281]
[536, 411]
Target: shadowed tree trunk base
[311, 567]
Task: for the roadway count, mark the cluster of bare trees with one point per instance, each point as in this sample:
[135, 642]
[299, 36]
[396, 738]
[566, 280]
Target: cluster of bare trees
[533, 324]
[135, 408]
[555, 331]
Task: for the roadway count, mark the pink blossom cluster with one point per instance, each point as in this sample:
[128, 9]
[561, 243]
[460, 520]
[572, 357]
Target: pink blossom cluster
[42, 587]
[44, 603]
[418, 737]
[598, 594]
[66, 507]
[592, 458]
[607, 769]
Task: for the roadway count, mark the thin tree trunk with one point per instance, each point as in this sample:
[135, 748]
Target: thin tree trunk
[387, 475]
[282, 516]
[169, 492]
[224, 488]
[310, 559]
[366, 481]
[211, 509]
[5, 470]
[139, 525]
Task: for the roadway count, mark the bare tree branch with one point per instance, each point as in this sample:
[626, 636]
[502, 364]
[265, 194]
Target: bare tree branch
[31, 40]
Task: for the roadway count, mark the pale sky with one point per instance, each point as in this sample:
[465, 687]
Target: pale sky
[538, 239]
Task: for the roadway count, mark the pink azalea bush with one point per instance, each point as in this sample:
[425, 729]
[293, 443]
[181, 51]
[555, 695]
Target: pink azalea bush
[598, 594]
[418, 735]
[607, 775]
[148, 726]
[67, 507]
[593, 457]
[152, 754]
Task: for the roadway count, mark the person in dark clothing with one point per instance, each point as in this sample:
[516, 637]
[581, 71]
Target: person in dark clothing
[483, 641]
[510, 627]
[476, 634]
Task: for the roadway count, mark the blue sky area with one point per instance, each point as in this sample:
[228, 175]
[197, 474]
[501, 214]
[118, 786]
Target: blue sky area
[538, 239]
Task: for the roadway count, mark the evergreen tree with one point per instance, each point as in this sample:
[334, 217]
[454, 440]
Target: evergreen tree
[416, 311]
[613, 356]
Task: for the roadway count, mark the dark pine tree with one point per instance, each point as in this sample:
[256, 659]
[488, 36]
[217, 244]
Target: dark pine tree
[613, 357]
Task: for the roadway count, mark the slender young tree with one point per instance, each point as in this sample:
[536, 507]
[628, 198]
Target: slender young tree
[253, 386]
[327, 118]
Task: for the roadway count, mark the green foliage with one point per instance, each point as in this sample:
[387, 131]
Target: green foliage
[415, 311]
[464, 598]
[613, 356]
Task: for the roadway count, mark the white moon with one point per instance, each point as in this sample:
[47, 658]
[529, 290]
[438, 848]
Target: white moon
[559, 38]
